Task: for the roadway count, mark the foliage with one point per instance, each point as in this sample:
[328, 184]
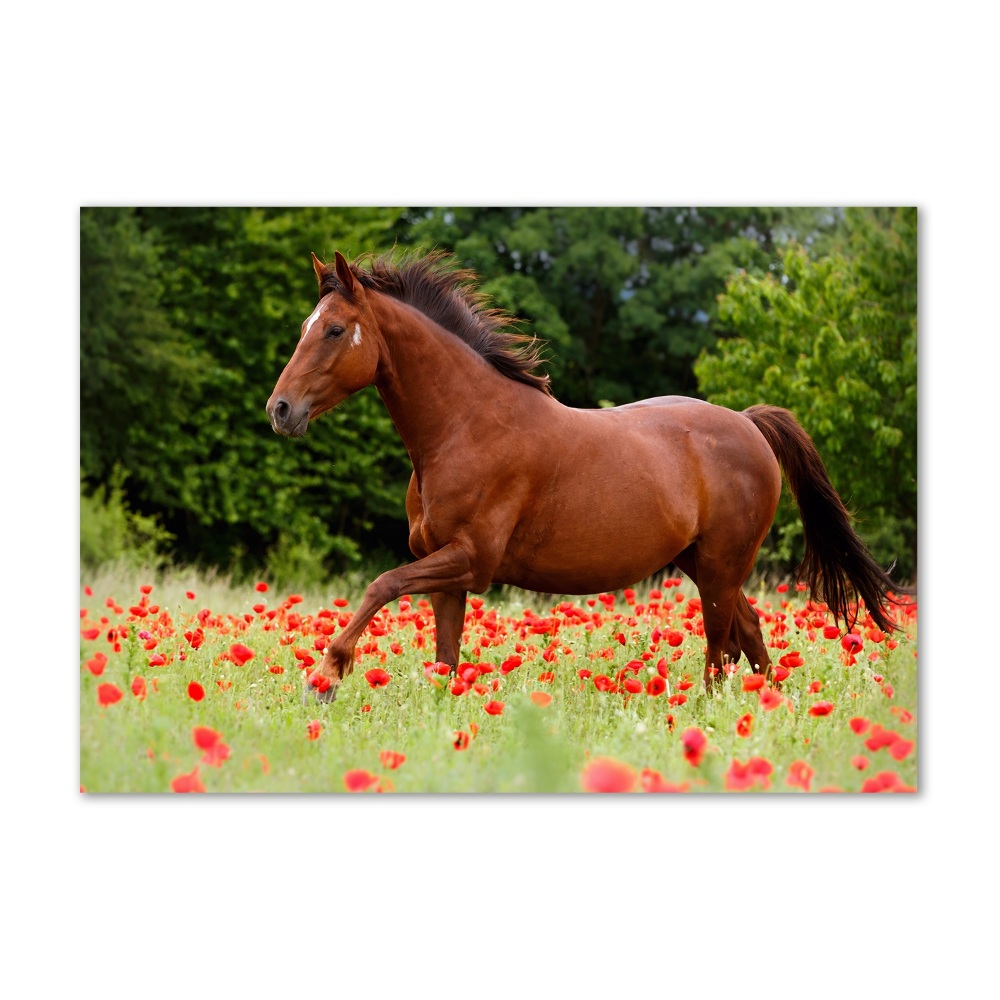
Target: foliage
[835, 341]
[110, 531]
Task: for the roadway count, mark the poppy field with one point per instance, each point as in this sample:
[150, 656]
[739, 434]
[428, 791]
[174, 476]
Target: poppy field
[597, 694]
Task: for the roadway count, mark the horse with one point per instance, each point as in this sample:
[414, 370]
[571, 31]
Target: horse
[510, 486]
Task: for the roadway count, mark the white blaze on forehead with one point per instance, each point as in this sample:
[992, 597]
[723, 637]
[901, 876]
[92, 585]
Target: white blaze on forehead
[356, 339]
[312, 319]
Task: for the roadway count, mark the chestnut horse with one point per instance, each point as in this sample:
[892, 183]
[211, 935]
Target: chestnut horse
[510, 486]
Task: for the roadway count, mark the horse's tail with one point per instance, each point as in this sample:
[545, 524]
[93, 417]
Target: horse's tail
[837, 566]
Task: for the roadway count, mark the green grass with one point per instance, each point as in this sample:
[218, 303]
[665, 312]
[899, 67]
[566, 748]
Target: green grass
[138, 745]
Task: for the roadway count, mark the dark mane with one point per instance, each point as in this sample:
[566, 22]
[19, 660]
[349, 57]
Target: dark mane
[445, 293]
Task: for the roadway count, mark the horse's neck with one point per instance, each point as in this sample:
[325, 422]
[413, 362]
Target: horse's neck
[431, 381]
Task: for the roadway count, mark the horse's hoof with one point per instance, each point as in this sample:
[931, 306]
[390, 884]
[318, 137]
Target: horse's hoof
[327, 696]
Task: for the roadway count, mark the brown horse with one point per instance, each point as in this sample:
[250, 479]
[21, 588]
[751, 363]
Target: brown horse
[510, 486]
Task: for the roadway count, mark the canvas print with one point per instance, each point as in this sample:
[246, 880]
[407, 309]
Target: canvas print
[498, 500]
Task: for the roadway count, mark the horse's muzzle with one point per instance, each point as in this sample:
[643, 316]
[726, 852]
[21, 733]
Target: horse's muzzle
[287, 419]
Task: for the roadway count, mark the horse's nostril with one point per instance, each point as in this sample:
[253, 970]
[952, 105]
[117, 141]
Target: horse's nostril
[281, 411]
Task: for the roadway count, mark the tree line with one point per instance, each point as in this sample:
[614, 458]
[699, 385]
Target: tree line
[187, 316]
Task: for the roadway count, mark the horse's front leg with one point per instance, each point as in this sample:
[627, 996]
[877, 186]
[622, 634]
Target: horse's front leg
[448, 572]
[449, 618]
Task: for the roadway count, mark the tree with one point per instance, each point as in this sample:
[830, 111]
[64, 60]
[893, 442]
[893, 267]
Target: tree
[834, 340]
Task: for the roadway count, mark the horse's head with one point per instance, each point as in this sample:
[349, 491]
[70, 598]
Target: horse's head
[337, 353]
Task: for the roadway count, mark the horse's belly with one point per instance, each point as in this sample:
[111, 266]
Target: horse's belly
[587, 549]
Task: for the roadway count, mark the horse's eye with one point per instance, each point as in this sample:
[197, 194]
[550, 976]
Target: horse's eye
[335, 331]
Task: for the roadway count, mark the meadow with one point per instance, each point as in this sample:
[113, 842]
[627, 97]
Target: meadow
[198, 685]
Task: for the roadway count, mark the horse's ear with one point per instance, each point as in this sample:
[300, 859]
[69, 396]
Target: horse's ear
[345, 274]
[320, 268]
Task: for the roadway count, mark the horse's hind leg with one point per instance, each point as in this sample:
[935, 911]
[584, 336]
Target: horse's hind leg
[751, 637]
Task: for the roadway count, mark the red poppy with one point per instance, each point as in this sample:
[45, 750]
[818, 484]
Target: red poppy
[633, 685]
[359, 780]
[769, 699]
[821, 708]
[886, 781]
[377, 677]
[458, 686]
[584, 673]
[673, 637]
[108, 694]
[261, 587]
[493, 707]
[391, 759]
[541, 698]
[340, 602]
[139, 688]
[652, 781]
[461, 741]
[900, 748]
[791, 660]
[852, 643]
[656, 685]
[606, 775]
[881, 738]
[744, 725]
[859, 761]
[97, 663]
[240, 653]
[157, 660]
[90, 633]
[189, 594]
[694, 741]
[815, 687]
[859, 725]
[187, 783]
[830, 632]
[753, 682]
[677, 699]
[319, 681]
[546, 677]
[313, 730]
[511, 663]
[756, 771]
[195, 691]
[800, 774]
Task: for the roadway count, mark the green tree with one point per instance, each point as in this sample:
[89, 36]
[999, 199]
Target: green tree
[834, 340]
[626, 297]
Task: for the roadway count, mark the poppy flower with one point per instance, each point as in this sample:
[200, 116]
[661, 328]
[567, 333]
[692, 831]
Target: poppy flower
[821, 708]
[859, 725]
[359, 780]
[187, 783]
[900, 748]
[541, 698]
[607, 775]
[511, 663]
[377, 677]
[800, 774]
[652, 781]
[584, 673]
[791, 660]
[744, 725]
[859, 761]
[886, 781]
[461, 740]
[677, 699]
[391, 759]
[90, 633]
[108, 694]
[769, 699]
[830, 632]
[319, 681]
[458, 686]
[97, 663]
[633, 685]
[157, 660]
[756, 771]
[240, 654]
[881, 738]
[546, 677]
[753, 682]
[673, 637]
[313, 730]
[139, 688]
[694, 741]
[195, 691]
[189, 594]
[340, 602]
[656, 685]
[493, 707]
[852, 643]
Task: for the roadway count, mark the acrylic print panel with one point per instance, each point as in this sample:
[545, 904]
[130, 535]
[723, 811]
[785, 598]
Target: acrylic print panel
[439, 550]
